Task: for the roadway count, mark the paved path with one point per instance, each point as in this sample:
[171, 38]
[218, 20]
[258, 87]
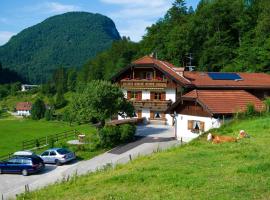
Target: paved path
[150, 139]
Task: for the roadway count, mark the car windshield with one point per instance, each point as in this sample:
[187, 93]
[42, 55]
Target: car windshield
[62, 151]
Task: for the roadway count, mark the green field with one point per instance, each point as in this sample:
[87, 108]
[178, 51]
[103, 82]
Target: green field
[14, 131]
[199, 170]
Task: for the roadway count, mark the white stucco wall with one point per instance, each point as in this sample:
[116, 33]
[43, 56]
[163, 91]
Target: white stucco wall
[182, 126]
[146, 113]
[145, 94]
[23, 113]
[169, 119]
[171, 94]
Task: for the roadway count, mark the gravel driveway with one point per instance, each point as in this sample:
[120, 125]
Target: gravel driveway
[150, 138]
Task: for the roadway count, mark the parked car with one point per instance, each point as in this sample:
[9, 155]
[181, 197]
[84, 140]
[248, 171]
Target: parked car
[57, 156]
[22, 164]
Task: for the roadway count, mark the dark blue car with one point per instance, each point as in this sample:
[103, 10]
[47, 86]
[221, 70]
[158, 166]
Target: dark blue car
[24, 165]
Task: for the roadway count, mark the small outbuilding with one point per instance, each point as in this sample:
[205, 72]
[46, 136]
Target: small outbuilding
[24, 108]
[200, 110]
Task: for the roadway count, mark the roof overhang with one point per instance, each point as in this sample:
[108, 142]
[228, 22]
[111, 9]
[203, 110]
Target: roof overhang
[153, 65]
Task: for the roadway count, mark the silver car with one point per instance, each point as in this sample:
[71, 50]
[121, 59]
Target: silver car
[57, 156]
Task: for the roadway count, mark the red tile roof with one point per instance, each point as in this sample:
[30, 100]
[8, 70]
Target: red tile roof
[24, 106]
[250, 80]
[225, 101]
[165, 66]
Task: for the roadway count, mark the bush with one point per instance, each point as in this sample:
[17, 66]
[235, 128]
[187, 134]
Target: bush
[109, 136]
[127, 132]
[250, 111]
[38, 110]
[49, 114]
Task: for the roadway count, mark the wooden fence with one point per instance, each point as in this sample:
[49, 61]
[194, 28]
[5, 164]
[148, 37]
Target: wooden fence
[5, 157]
[45, 141]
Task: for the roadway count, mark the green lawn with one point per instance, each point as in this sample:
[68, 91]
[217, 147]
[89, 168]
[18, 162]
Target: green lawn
[199, 170]
[14, 131]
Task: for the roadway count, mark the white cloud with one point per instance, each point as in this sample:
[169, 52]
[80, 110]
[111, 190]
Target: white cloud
[5, 36]
[52, 8]
[56, 7]
[132, 18]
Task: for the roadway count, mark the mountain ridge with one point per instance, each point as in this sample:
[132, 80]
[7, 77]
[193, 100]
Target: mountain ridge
[65, 40]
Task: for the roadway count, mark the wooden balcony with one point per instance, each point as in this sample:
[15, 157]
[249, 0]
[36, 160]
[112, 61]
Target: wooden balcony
[136, 84]
[151, 104]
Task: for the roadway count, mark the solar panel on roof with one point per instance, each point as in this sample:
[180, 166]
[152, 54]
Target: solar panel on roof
[224, 76]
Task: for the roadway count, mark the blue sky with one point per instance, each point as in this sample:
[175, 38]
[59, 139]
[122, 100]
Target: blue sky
[130, 16]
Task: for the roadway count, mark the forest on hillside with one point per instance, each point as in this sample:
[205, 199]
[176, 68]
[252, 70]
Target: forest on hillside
[221, 35]
[67, 40]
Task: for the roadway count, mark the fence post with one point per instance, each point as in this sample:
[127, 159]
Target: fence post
[26, 188]
[2, 197]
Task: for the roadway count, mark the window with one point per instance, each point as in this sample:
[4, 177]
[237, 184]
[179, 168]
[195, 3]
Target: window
[27, 162]
[46, 153]
[134, 95]
[195, 126]
[63, 151]
[52, 153]
[149, 75]
[157, 96]
[157, 115]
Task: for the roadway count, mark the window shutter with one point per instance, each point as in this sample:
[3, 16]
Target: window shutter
[163, 96]
[139, 113]
[152, 96]
[151, 114]
[139, 95]
[190, 124]
[202, 126]
[163, 115]
[128, 94]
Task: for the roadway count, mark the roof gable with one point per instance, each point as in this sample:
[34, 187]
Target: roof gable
[172, 71]
[24, 106]
[225, 101]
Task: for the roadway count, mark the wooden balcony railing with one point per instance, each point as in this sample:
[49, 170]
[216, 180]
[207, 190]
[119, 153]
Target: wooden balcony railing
[144, 83]
[151, 104]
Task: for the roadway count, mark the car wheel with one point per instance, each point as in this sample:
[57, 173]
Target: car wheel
[24, 172]
[57, 162]
[0, 171]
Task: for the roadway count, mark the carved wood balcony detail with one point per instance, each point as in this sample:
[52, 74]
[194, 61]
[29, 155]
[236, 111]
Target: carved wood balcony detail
[143, 84]
[151, 104]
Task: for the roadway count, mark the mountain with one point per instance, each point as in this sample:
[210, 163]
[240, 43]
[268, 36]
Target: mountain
[66, 40]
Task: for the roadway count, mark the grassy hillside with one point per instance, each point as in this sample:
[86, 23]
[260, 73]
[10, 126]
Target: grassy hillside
[199, 170]
[14, 131]
[10, 101]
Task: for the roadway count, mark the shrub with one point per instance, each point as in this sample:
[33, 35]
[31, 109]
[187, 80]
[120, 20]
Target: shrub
[109, 136]
[127, 132]
[250, 111]
[49, 114]
[38, 109]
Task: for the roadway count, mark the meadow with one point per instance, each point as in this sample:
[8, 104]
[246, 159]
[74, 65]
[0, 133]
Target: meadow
[198, 170]
[14, 131]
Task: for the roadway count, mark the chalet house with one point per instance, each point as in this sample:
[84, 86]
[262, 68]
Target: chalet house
[152, 86]
[23, 108]
[200, 110]
[165, 93]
